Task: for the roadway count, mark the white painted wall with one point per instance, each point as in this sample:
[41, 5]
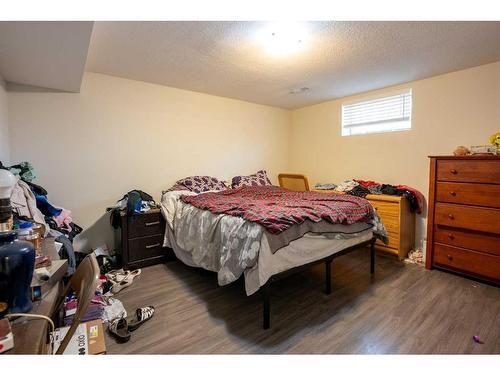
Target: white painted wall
[459, 108]
[116, 135]
[4, 125]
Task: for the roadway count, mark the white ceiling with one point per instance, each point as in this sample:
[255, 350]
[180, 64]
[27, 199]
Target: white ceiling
[44, 54]
[226, 59]
[341, 58]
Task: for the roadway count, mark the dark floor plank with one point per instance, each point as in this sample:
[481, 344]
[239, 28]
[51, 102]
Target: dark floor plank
[401, 309]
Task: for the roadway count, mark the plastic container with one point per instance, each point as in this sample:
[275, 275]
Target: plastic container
[26, 232]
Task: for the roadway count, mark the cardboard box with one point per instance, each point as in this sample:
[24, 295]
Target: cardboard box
[6, 337]
[88, 339]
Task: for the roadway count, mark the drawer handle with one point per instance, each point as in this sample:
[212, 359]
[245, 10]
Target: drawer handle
[453, 171]
[451, 216]
[450, 258]
[151, 223]
[152, 246]
[452, 193]
[451, 237]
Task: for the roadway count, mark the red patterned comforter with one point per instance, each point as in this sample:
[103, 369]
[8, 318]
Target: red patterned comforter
[277, 209]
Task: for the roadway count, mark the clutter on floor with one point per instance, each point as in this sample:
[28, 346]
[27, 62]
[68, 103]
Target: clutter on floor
[88, 339]
[415, 256]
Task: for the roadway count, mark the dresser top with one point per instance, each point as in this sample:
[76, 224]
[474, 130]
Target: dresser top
[468, 157]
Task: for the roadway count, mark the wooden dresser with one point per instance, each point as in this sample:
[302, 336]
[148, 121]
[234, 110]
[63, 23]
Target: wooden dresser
[463, 227]
[398, 220]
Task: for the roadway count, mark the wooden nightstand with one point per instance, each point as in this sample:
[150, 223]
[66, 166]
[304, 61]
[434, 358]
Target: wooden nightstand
[142, 239]
[398, 220]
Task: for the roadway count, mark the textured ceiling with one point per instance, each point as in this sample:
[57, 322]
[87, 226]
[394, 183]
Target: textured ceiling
[339, 58]
[44, 54]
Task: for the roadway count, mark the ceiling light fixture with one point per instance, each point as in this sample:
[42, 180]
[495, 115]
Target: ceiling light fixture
[283, 38]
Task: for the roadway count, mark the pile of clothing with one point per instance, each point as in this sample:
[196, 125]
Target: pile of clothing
[102, 306]
[362, 188]
[134, 202]
[29, 203]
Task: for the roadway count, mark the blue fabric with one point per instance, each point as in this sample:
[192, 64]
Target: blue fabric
[47, 209]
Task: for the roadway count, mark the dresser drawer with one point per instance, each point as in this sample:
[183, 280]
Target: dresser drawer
[478, 264]
[487, 195]
[469, 217]
[145, 247]
[485, 243]
[146, 225]
[485, 171]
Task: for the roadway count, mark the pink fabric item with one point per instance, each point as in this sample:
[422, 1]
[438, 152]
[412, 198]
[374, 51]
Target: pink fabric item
[64, 219]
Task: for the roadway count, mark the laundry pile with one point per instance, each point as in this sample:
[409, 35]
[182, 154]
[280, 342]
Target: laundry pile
[362, 188]
[30, 203]
[108, 308]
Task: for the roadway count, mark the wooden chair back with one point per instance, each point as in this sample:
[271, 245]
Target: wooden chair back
[296, 182]
[84, 284]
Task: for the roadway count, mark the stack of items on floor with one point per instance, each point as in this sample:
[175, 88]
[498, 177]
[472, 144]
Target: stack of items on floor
[362, 188]
[108, 309]
[30, 205]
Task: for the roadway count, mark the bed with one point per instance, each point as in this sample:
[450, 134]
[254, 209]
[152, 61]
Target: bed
[265, 233]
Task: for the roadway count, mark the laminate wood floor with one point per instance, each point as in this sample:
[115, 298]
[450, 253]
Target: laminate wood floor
[402, 309]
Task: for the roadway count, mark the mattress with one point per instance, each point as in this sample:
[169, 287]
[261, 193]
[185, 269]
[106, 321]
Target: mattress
[233, 247]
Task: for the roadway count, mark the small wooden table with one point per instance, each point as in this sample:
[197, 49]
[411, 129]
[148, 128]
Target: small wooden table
[398, 219]
[31, 335]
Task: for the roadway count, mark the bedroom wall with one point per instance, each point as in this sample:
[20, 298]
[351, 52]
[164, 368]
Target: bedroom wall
[4, 125]
[459, 108]
[92, 147]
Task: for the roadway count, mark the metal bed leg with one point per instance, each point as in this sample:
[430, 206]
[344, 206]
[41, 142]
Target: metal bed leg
[372, 257]
[328, 276]
[266, 322]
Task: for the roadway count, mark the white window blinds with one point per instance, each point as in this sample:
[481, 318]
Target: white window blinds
[385, 114]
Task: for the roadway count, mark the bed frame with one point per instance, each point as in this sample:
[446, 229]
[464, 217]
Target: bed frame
[328, 276]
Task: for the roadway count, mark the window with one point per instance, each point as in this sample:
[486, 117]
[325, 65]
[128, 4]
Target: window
[380, 115]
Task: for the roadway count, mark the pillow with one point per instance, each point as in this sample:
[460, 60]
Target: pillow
[199, 184]
[258, 179]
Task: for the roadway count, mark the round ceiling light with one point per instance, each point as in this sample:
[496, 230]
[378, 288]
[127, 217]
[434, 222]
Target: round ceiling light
[283, 38]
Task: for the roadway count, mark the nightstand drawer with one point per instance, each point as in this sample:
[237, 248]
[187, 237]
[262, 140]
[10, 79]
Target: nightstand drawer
[143, 225]
[145, 247]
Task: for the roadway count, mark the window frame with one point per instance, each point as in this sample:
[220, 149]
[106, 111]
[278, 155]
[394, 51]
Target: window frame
[368, 98]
